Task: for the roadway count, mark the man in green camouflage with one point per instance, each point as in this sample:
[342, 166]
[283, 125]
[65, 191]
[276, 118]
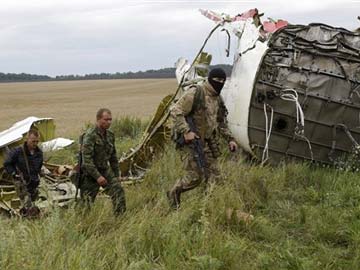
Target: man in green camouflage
[100, 165]
[208, 113]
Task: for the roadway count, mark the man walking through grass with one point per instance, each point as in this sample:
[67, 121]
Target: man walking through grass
[100, 165]
[199, 117]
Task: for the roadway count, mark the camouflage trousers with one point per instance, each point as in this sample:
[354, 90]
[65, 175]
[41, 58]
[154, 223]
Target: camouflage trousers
[89, 189]
[27, 191]
[195, 176]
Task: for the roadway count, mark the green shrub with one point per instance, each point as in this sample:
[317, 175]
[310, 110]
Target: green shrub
[128, 127]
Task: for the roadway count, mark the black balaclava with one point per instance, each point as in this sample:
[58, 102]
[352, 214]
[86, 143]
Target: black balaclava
[215, 77]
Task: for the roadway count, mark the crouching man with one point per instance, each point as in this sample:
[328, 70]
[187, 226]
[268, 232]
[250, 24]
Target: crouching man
[24, 165]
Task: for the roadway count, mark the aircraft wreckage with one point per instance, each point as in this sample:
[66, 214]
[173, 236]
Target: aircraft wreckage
[293, 93]
[55, 185]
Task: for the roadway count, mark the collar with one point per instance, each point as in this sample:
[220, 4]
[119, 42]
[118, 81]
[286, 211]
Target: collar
[99, 131]
[27, 151]
[209, 89]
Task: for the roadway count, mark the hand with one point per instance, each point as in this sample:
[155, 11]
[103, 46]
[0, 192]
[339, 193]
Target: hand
[233, 146]
[189, 136]
[101, 181]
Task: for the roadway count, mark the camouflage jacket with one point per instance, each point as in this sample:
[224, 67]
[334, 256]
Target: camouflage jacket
[99, 153]
[209, 119]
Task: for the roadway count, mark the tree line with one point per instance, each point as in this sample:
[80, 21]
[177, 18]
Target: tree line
[148, 74]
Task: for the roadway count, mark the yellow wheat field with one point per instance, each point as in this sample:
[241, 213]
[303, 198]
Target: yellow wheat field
[74, 103]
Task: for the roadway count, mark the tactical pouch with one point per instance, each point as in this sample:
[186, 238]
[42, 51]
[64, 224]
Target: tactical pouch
[179, 140]
[214, 147]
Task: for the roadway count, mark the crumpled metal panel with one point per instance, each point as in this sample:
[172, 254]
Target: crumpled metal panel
[56, 144]
[134, 163]
[55, 184]
[322, 64]
[55, 188]
[16, 133]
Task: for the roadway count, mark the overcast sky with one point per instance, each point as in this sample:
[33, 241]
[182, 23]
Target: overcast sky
[56, 37]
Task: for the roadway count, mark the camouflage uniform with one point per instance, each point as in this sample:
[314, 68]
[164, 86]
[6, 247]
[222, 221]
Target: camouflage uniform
[25, 168]
[210, 121]
[99, 159]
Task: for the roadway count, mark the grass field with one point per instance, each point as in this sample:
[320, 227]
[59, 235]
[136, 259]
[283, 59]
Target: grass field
[73, 103]
[305, 217]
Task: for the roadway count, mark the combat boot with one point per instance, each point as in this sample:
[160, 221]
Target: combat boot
[32, 212]
[174, 198]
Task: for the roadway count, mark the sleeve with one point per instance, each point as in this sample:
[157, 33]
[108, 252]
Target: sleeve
[10, 162]
[223, 124]
[41, 162]
[114, 163]
[88, 160]
[181, 109]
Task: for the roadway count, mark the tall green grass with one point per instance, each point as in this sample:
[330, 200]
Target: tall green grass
[304, 218]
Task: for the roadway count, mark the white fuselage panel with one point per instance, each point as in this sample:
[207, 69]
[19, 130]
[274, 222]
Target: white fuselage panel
[238, 91]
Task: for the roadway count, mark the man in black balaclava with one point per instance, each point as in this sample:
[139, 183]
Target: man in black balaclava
[217, 78]
[203, 105]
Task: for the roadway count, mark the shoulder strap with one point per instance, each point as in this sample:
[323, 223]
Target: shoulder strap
[81, 148]
[199, 104]
[81, 139]
[26, 160]
[199, 99]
